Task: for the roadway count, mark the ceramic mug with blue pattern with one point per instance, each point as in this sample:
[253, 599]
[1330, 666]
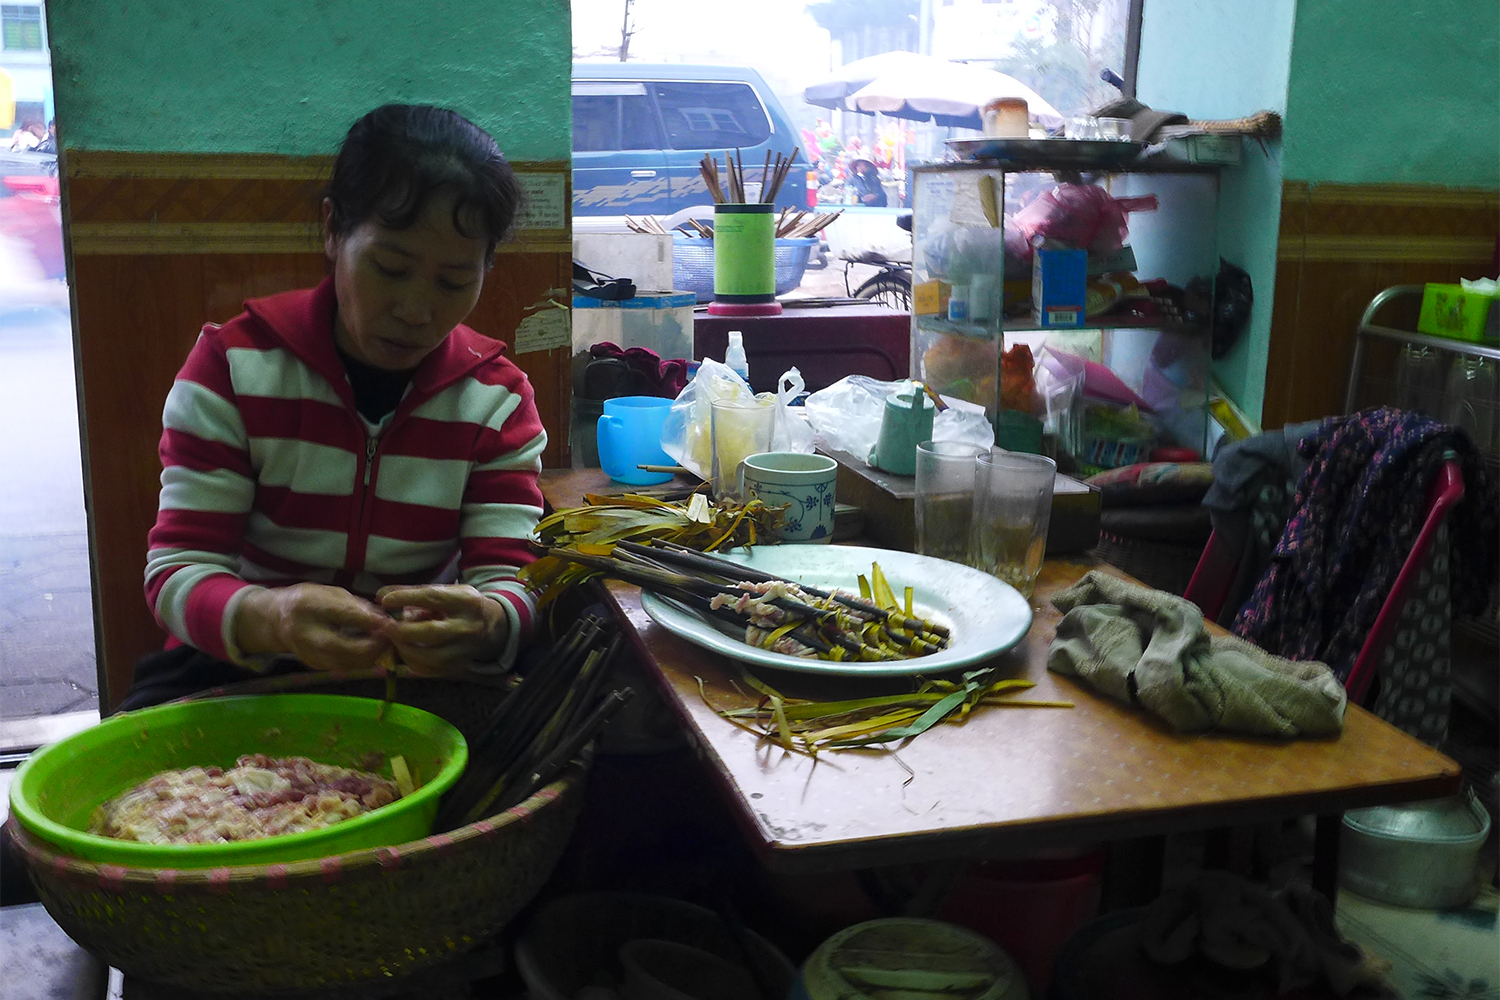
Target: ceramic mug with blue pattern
[803, 481]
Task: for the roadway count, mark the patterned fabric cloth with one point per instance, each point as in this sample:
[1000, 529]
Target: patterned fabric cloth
[1415, 674]
[1359, 507]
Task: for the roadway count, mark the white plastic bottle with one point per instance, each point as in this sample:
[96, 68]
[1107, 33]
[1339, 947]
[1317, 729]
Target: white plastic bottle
[734, 357]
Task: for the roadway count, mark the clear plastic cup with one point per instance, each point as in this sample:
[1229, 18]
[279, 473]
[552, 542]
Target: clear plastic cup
[945, 498]
[1012, 507]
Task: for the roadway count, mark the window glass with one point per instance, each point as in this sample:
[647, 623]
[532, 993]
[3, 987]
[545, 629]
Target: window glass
[711, 115]
[596, 123]
[638, 128]
[609, 116]
[20, 27]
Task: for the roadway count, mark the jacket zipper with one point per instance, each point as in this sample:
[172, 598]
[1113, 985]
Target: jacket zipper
[359, 535]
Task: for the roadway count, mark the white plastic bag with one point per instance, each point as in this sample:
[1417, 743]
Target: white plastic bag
[687, 433]
[846, 416]
[793, 433]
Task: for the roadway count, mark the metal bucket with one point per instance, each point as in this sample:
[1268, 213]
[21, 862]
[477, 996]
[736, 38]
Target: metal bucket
[1419, 854]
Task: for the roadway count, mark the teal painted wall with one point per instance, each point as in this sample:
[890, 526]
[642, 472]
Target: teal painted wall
[1225, 59]
[1395, 91]
[291, 76]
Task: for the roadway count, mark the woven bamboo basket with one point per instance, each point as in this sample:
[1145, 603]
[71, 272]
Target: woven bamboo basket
[326, 923]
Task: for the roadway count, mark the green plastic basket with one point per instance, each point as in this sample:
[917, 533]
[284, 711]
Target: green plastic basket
[56, 791]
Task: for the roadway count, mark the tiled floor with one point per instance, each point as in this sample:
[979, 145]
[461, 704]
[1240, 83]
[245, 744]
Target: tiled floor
[1434, 955]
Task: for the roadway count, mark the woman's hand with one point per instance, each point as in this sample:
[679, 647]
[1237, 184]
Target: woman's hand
[326, 628]
[444, 629]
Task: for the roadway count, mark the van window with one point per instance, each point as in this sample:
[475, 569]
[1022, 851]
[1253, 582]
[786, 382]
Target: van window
[711, 115]
[609, 116]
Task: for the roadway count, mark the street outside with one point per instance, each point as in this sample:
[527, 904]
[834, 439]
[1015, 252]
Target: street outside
[46, 608]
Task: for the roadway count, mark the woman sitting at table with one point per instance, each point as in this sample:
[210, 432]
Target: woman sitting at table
[349, 474]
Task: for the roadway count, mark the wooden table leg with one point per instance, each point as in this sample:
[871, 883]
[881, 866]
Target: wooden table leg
[1325, 866]
[1132, 872]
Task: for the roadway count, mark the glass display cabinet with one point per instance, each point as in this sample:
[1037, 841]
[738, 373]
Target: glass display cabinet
[1132, 376]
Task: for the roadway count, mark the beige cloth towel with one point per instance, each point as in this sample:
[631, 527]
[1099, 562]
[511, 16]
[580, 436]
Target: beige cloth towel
[1152, 649]
[1239, 925]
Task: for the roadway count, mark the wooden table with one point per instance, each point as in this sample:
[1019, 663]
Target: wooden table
[1008, 779]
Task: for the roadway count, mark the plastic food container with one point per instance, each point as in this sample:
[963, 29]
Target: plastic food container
[658, 321]
[1419, 854]
[693, 265]
[881, 958]
[56, 791]
[575, 941]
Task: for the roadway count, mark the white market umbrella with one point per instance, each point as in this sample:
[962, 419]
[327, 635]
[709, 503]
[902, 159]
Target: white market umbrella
[922, 88]
[947, 89]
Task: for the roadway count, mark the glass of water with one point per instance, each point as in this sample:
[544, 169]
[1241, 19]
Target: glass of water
[945, 498]
[1012, 506]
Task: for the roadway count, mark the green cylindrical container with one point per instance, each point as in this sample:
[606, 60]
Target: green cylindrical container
[744, 253]
[925, 957]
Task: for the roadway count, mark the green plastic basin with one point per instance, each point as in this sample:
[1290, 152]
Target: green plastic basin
[55, 792]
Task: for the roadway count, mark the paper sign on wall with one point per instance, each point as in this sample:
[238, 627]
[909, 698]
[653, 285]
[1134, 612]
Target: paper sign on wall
[544, 330]
[545, 204]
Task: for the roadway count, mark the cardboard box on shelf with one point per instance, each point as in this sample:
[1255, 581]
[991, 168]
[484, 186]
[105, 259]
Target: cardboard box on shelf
[1059, 286]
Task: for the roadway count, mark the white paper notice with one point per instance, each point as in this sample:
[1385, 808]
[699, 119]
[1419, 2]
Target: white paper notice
[544, 330]
[545, 207]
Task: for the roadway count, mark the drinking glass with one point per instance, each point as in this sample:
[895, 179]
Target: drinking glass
[1012, 505]
[945, 498]
[1081, 127]
[1115, 129]
[1469, 400]
[741, 428]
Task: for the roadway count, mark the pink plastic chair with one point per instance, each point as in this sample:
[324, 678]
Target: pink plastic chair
[1213, 577]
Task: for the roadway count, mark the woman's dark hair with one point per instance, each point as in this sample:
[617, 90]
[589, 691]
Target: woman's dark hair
[398, 155]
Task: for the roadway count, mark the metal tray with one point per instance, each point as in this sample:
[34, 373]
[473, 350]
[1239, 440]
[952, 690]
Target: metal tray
[1067, 153]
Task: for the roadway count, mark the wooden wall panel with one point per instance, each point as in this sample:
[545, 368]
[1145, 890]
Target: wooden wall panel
[163, 244]
[1339, 246]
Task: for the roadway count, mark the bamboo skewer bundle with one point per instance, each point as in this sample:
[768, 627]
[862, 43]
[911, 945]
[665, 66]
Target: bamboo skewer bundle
[803, 224]
[844, 627]
[552, 714]
[645, 224]
[772, 175]
[729, 570]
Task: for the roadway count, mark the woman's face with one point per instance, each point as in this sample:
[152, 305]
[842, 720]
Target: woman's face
[402, 291]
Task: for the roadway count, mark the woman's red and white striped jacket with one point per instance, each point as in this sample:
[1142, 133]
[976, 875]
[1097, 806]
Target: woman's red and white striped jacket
[270, 476]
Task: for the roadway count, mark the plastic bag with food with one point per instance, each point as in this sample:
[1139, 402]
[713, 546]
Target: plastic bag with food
[1082, 216]
[687, 433]
[846, 416]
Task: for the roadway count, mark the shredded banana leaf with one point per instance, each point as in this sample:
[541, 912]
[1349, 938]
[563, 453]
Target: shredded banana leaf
[808, 727]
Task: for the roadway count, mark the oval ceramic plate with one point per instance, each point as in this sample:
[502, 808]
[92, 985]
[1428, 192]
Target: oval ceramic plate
[985, 616]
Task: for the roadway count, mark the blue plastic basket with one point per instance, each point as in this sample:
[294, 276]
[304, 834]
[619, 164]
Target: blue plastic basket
[693, 264]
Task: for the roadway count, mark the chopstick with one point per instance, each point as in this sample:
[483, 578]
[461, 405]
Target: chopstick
[773, 174]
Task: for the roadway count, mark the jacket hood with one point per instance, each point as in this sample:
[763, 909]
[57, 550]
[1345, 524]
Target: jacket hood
[303, 321]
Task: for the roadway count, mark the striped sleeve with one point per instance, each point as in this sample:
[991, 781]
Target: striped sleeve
[502, 503]
[207, 488]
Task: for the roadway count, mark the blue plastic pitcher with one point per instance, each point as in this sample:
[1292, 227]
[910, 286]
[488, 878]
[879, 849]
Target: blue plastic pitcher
[629, 434]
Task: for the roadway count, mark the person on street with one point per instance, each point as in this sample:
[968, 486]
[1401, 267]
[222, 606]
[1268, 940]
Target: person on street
[864, 178]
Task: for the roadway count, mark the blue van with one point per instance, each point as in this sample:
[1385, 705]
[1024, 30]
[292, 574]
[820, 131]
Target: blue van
[640, 131]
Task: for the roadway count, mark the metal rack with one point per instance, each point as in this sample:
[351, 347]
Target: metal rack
[1475, 686]
[1369, 328]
